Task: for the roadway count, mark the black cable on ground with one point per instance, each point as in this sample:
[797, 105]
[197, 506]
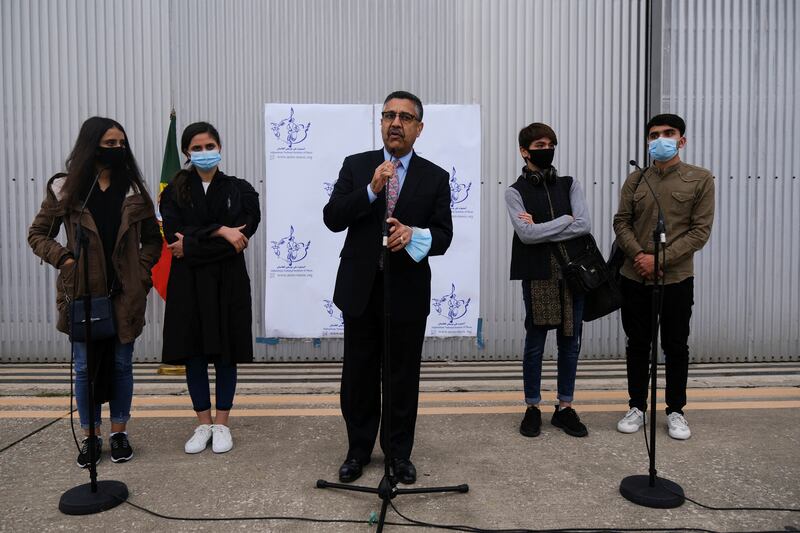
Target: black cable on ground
[472, 529]
[258, 518]
[32, 433]
[411, 522]
[712, 508]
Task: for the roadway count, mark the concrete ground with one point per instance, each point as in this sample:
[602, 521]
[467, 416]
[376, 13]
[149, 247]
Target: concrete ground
[745, 451]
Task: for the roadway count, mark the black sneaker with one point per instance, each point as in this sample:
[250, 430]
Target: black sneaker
[568, 420]
[121, 450]
[532, 423]
[83, 457]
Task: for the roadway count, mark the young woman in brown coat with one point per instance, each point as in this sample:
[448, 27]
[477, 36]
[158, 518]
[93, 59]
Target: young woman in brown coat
[102, 191]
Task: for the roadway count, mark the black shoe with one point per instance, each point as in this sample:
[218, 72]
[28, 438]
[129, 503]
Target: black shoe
[351, 470]
[404, 471]
[121, 450]
[568, 420]
[532, 422]
[83, 457]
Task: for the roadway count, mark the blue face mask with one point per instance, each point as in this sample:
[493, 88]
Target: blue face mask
[205, 160]
[663, 149]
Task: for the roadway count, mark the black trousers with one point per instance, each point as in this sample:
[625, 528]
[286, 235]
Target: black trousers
[676, 312]
[361, 378]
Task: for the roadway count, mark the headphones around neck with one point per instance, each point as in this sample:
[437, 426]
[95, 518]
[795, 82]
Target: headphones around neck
[538, 177]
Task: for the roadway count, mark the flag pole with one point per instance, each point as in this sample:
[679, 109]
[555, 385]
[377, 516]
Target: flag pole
[160, 273]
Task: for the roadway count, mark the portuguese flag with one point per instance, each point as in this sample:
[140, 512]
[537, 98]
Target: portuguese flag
[169, 167]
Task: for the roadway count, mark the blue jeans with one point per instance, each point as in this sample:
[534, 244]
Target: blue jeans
[197, 382]
[569, 348]
[120, 403]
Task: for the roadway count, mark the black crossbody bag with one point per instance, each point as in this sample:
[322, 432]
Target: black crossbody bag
[587, 270]
[588, 274]
[102, 319]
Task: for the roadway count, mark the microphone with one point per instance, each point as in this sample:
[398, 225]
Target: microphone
[660, 225]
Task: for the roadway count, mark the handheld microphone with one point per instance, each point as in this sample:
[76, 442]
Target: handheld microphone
[660, 225]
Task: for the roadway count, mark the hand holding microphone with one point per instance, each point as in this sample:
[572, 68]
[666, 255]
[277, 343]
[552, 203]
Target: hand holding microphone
[382, 175]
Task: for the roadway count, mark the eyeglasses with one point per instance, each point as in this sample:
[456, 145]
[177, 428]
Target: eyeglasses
[405, 118]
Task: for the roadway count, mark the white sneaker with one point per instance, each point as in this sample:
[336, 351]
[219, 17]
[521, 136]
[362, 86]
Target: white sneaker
[222, 440]
[678, 426]
[631, 422]
[200, 439]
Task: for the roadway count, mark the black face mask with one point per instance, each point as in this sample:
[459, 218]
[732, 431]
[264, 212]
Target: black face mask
[542, 159]
[111, 157]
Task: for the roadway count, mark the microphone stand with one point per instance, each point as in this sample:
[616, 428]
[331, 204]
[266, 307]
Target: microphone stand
[95, 496]
[387, 488]
[650, 490]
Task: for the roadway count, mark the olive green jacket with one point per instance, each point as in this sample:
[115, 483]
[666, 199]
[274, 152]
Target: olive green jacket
[686, 194]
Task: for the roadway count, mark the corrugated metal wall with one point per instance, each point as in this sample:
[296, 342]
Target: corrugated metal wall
[730, 68]
[575, 64]
[61, 63]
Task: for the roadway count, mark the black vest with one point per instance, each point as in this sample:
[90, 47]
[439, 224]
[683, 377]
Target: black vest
[532, 261]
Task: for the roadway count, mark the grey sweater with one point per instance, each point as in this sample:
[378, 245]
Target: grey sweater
[559, 229]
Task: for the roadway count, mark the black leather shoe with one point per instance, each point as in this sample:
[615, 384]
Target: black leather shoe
[351, 470]
[404, 471]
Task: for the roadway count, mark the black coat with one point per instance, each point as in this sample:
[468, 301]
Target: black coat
[424, 202]
[208, 308]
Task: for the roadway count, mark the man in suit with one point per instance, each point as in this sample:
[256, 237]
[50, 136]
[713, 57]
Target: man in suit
[417, 195]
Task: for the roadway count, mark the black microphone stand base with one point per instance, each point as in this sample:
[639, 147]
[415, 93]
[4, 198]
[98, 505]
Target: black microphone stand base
[387, 490]
[664, 494]
[81, 500]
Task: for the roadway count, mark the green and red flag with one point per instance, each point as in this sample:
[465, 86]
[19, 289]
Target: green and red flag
[170, 165]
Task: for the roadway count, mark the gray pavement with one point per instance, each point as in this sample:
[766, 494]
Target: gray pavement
[745, 451]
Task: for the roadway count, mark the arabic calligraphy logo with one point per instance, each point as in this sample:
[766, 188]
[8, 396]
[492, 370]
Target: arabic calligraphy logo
[333, 312]
[289, 131]
[328, 186]
[289, 249]
[458, 191]
[450, 306]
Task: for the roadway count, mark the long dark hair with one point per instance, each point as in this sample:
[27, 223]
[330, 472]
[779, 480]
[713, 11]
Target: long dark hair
[181, 179]
[82, 162]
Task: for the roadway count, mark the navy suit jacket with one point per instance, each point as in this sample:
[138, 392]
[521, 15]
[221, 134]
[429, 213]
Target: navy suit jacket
[424, 202]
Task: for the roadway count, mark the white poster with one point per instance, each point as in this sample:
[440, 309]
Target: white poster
[305, 147]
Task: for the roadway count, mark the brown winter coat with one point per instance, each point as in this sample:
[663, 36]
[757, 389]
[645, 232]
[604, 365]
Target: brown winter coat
[138, 247]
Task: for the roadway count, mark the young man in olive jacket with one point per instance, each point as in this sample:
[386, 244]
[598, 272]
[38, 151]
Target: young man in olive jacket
[686, 195]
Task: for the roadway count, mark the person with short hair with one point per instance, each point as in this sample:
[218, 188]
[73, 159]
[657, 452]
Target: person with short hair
[124, 243]
[417, 194]
[550, 219]
[686, 195]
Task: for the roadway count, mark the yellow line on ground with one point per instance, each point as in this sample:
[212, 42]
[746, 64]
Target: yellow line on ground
[35, 414]
[443, 410]
[582, 396]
